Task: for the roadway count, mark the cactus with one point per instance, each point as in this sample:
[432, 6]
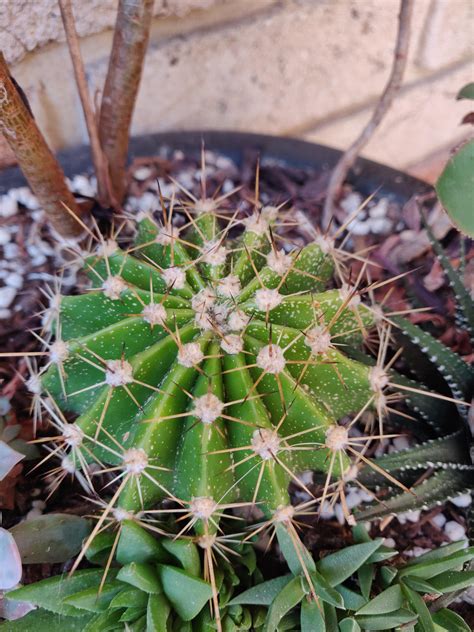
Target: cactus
[208, 366]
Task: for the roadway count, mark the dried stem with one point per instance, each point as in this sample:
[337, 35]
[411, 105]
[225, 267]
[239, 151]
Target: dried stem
[105, 193]
[36, 160]
[391, 89]
[132, 30]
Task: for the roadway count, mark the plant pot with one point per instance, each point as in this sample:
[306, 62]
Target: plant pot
[367, 176]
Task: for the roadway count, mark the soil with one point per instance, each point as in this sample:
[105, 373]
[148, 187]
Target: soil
[393, 234]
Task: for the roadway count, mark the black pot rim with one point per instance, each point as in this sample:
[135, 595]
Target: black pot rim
[367, 176]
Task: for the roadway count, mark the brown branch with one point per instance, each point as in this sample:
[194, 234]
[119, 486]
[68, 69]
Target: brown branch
[104, 187]
[35, 158]
[392, 87]
[132, 30]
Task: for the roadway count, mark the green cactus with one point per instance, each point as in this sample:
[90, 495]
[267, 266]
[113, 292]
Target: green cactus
[208, 366]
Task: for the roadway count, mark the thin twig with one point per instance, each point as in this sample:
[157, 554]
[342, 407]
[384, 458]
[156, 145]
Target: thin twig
[105, 193]
[132, 30]
[392, 87]
[36, 160]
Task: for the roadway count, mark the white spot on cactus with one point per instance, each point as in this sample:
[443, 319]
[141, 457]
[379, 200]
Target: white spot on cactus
[232, 344]
[270, 213]
[122, 514]
[73, 435]
[207, 541]
[68, 466]
[203, 300]
[174, 277]
[33, 384]
[265, 443]
[113, 286]
[337, 438]
[378, 378]
[213, 253]
[284, 514]
[267, 299]
[325, 243]
[205, 206]
[229, 286]
[155, 314]
[58, 352]
[271, 359]
[135, 460]
[318, 339]
[351, 473]
[279, 262]
[202, 507]
[107, 248]
[167, 235]
[118, 373]
[256, 223]
[238, 320]
[207, 408]
[349, 295]
[190, 354]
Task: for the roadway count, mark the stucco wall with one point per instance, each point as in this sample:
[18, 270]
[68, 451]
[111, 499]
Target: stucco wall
[308, 68]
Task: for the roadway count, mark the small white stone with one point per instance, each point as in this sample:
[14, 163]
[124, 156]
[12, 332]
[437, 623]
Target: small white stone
[271, 359]
[401, 443]
[148, 202]
[267, 299]
[14, 280]
[380, 209]
[82, 185]
[207, 408]
[327, 511]
[439, 520]
[339, 513]
[279, 262]
[265, 443]
[118, 373]
[229, 286]
[5, 313]
[190, 354]
[7, 294]
[464, 500]
[8, 206]
[380, 226]
[154, 313]
[351, 202]
[11, 251]
[4, 236]
[113, 287]
[411, 516]
[142, 173]
[353, 499]
[232, 344]
[174, 278]
[390, 542]
[418, 551]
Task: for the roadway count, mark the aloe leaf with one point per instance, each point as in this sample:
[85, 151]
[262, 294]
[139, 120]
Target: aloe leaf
[455, 188]
[51, 538]
[187, 593]
[289, 597]
[339, 566]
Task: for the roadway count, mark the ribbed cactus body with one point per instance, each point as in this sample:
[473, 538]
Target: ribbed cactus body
[208, 362]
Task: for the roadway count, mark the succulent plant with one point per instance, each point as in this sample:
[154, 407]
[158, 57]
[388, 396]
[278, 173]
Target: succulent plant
[208, 366]
[155, 586]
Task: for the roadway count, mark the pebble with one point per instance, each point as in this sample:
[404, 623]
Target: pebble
[401, 443]
[327, 512]
[11, 251]
[380, 225]
[390, 542]
[351, 202]
[148, 202]
[353, 499]
[439, 520]
[142, 173]
[14, 280]
[5, 406]
[8, 206]
[462, 501]
[24, 196]
[82, 185]
[380, 209]
[454, 531]
[411, 516]
[4, 236]
[5, 314]
[417, 551]
[7, 294]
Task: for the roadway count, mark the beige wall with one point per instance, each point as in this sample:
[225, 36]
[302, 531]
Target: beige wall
[308, 68]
